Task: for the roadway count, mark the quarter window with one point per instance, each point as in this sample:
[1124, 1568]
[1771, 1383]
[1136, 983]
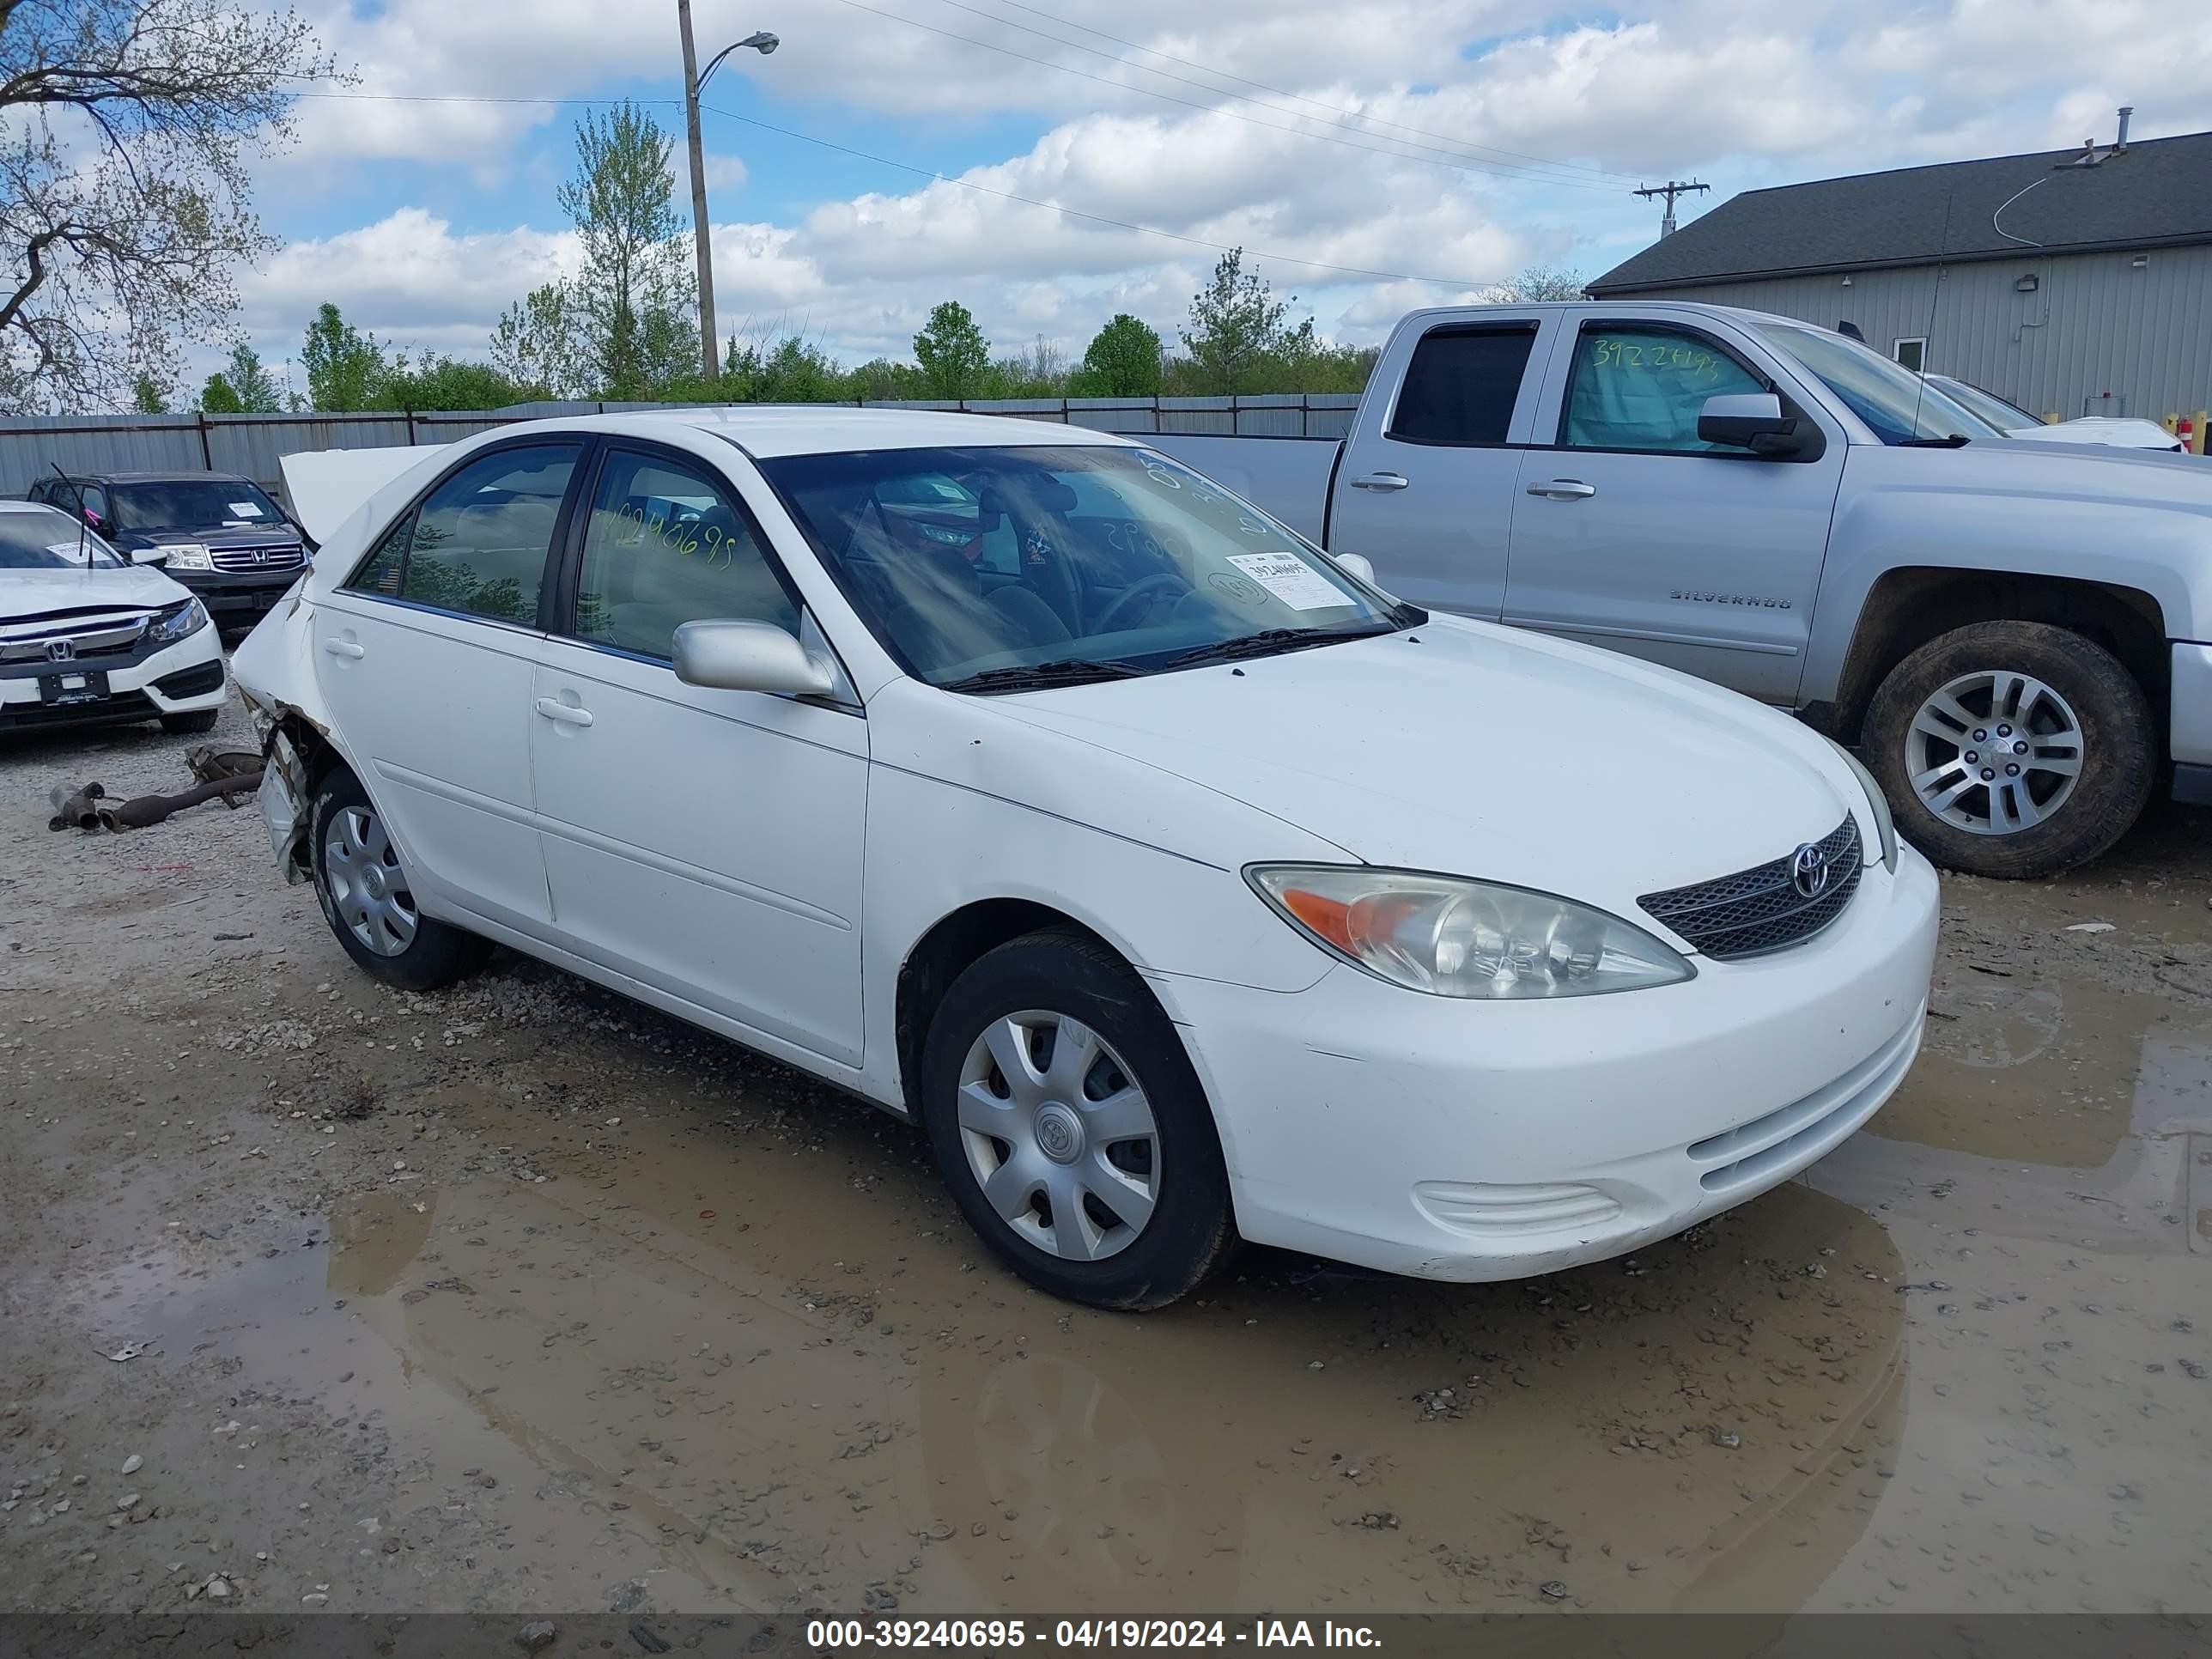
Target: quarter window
[476, 544]
[1461, 385]
[666, 546]
[1642, 388]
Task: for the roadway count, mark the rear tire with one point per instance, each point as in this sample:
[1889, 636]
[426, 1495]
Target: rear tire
[200, 720]
[1088, 1161]
[2012, 749]
[366, 901]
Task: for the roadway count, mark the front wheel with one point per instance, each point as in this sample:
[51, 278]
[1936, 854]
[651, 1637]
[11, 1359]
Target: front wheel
[1068, 1121]
[368, 901]
[2012, 749]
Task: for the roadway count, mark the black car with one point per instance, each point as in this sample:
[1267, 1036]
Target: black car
[218, 534]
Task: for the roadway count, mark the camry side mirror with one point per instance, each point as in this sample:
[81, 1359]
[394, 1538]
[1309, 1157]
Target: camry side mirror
[1357, 564]
[1755, 421]
[733, 655]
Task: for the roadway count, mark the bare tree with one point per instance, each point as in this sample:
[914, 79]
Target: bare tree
[1538, 283]
[127, 128]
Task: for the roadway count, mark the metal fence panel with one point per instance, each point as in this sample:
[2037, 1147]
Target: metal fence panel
[33, 446]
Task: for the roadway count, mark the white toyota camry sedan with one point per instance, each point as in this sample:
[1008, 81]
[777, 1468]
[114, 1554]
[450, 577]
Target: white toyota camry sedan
[1178, 882]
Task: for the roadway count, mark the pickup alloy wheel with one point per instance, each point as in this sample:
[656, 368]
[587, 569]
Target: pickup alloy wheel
[2012, 749]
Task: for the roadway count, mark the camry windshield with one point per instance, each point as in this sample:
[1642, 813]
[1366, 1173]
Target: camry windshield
[2006, 417]
[1002, 570]
[1900, 406]
[193, 504]
[44, 540]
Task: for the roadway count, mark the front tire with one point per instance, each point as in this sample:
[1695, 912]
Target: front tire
[2012, 749]
[367, 900]
[1066, 1117]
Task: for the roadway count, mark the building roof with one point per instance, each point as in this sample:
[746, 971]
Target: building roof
[2155, 192]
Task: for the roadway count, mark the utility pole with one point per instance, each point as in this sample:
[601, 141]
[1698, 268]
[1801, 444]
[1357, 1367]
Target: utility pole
[710, 355]
[1670, 190]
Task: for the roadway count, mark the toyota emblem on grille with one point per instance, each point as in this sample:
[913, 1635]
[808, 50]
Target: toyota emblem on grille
[1809, 870]
[60, 650]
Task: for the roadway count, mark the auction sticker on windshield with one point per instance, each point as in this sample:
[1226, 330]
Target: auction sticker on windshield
[1290, 580]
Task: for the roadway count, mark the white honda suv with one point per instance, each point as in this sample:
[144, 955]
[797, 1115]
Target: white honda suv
[1181, 883]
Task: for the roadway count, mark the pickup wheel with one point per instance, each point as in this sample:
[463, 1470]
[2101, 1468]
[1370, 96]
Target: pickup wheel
[2012, 749]
[367, 900]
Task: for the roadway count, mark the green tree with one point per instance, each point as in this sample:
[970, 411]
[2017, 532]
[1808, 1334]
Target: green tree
[149, 396]
[954, 355]
[635, 301]
[443, 382]
[130, 131]
[345, 366]
[880, 378]
[1237, 326]
[535, 345]
[243, 386]
[1122, 360]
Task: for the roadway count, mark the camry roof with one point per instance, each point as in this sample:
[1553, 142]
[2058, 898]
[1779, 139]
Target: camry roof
[772, 430]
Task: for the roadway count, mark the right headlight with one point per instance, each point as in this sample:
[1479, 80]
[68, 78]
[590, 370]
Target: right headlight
[1885, 825]
[1448, 937]
[188, 556]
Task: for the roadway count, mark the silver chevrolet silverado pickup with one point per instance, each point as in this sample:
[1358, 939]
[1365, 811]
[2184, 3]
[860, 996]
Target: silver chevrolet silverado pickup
[2017, 635]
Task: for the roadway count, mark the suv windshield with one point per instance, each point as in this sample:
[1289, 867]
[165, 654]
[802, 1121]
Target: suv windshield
[1899, 405]
[45, 539]
[1001, 569]
[193, 504]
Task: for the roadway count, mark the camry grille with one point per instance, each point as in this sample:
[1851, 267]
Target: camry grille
[1762, 908]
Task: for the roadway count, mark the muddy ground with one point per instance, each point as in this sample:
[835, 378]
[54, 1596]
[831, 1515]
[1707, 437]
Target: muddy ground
[518, 1296]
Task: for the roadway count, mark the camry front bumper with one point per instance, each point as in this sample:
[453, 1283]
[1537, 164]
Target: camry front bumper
[1473, 1140]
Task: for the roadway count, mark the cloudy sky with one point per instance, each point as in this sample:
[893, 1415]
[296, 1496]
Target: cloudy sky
[1373, 154]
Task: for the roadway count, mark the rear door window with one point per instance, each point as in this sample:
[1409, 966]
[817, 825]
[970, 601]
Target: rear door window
[476, 544]
[1461, 385]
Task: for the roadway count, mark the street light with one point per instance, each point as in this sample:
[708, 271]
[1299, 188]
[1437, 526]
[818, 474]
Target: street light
[694, 82]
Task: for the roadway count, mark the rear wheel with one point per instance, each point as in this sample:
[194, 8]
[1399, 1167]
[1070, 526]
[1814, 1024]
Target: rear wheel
[2012, 749]
[1065, 1118]
[368, 901]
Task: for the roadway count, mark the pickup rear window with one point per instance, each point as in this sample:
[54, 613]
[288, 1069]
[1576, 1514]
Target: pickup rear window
[1462, 384]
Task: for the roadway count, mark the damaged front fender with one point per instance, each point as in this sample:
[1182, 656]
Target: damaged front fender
[274, 667]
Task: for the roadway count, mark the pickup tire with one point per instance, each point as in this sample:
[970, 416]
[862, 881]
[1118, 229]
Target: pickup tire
[2012, 749]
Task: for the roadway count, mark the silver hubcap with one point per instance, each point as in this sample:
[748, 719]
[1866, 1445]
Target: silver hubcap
[1994, 752]
[367, 888]
[1059, 1134]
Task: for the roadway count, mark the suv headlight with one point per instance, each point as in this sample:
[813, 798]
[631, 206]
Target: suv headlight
[1454, 938]
[178, 621]
[1885, 825]
[188, 556]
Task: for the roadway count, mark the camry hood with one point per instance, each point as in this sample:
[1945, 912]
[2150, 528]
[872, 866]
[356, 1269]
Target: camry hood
[38, 592]
[1471, 750]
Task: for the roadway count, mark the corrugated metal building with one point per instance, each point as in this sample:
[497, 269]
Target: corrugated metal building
[2070, 282]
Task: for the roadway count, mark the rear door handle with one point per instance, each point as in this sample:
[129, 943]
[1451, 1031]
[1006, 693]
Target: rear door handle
[345, 649]
[1563, 489]
[567, 712]
[1380, 480]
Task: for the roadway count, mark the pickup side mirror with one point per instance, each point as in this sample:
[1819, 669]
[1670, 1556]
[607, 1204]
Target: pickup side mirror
[734, 654]
[1755, 421]
[153, 556]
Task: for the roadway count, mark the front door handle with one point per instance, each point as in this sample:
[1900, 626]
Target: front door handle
[346, 648]
[567, 712]
[1380, 480]
[1563, 489]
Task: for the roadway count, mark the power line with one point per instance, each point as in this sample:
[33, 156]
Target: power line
[1492, 169]
[1551, 172]
[1460, 145]
[1098, 218]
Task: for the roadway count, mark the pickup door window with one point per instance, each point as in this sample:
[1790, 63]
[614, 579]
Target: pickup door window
[1427, 491]
[1631, 532]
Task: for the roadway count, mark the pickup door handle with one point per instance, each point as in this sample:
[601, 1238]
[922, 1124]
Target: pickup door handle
[1380, 480]
[567, 712]
[1563, 489]
[345, 649]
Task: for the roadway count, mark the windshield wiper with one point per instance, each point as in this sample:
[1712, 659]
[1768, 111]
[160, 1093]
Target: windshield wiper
[1268, 642]
[1024, 677]
[1956, 441]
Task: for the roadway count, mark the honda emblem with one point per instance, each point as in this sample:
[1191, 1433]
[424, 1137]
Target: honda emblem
[60, 650]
